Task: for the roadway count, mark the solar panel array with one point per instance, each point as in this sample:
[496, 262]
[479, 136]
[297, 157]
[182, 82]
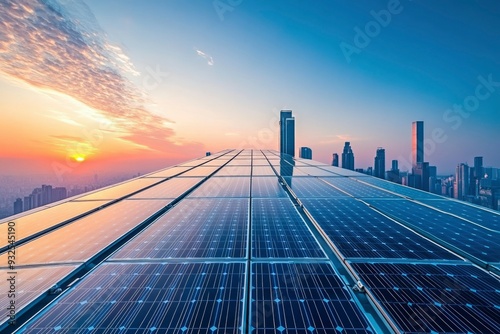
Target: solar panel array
[249, 241]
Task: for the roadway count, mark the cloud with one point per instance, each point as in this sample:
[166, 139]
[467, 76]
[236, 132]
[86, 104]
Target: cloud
[57, 45]
[334, 139]
[209, 59]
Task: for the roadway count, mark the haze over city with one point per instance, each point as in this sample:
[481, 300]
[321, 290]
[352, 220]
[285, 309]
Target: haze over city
[93, 86]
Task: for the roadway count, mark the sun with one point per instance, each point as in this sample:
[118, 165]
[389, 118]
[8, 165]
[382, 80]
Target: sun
[78, 158]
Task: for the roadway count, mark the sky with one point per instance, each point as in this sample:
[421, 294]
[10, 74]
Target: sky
[107, 85]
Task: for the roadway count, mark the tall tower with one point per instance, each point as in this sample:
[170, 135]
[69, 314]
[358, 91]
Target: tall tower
[379, 167]
[417, 143]
[305, 153]
[335, 160]
[348, 157]
[461, 184]
[287, 132]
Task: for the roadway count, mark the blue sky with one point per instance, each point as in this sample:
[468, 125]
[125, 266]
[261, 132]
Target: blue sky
[225, 68]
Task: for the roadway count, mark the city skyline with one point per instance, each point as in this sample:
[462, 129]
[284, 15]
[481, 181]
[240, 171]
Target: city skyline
[188, 78]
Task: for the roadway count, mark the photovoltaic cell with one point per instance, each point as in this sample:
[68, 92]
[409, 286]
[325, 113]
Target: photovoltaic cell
[30, 284]
[172, 188]
[267, 187]
[223, 187]
[150, 298]
[475, 240]
[278, 231]
[197, 228]
[41, 220]
[312, 187]
[427, 298]
[358, 189]
[82, 239]
[479, 216]
[120, 190]
[302, 298]
[360, 232]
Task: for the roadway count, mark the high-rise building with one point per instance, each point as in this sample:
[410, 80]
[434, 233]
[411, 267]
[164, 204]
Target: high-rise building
[335, 160]
[18, 206]
[394, 164]
[347, 156]
[305, 153]
[461, 184]
[393, 175]
[287, 133]
[417, 143]
[379, 166]
[478, 168]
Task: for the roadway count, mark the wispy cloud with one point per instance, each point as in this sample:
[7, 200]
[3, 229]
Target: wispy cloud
[57, 45]
[208, 58]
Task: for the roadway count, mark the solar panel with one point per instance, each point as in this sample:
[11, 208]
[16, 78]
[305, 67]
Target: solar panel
[144, 298]
[302, 298]
[82, 239]
[397, 188]
[172, 188]
[30, 283]
[315, 171]
[121, 190]
[267, 187]
[168, 172]
[473, 239]
[195, 228]
[278, 231]
[32, 223]
[358, 189]
[435, 298]
[305, 187]
[262, 171]
[359, 232]
[201, 171]
[480, 216]
[223, 187]
[234, 170]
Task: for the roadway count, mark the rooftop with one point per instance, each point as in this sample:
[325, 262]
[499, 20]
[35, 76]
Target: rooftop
[250, 241]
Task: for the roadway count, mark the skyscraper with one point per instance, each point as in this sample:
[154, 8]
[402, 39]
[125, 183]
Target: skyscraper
[335, 160]
[461, 185]
[287, 133]
[478, 168]
[305, 153]
[379, 167]
[348, 157]
[417, 143]
[18, 206]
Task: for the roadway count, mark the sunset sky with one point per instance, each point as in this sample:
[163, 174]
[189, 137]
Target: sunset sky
[146, 84]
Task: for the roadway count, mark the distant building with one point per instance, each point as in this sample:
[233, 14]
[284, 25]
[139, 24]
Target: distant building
[18, 206]
[59, 193]
[393, 175]
[417, 143]
[287, 133]
[335, 160]
[461, 185]
[305, 153]
[379, 166]
[348, 157]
